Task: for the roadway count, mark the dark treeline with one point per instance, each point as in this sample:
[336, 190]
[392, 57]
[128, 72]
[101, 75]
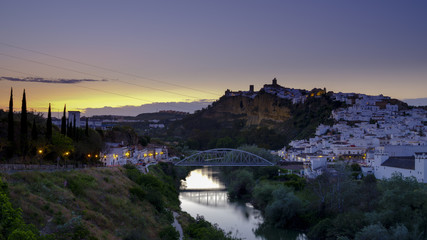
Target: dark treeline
[335, 205]
[46, 144]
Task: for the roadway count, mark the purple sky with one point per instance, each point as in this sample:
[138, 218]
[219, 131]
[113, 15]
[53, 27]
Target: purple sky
[182, 51]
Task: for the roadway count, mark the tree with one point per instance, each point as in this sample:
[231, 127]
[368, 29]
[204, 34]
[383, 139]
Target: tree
[10, 125]
[34, 134]
[64, 123]
[24, 126]
[49, 125]
[263, 194]
[284, 207]
[241, 183]
[69, 129]
[87, 128]
[375, 231]
[74, 129]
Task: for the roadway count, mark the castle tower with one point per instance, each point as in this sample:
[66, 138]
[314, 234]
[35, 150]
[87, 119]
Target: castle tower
[251, 88]
[274, 82]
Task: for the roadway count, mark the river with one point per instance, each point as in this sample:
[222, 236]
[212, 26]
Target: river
[202, 193]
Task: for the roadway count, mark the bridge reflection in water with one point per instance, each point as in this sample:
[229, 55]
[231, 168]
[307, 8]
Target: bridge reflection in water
[211, 197]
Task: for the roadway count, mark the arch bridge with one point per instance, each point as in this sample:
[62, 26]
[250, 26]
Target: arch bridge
[224, 157]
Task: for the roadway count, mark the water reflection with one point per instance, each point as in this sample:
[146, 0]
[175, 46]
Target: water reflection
[203, 194]
[202, 178]
[207, 198]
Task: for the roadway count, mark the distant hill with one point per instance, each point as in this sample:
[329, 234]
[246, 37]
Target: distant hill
[162, 115]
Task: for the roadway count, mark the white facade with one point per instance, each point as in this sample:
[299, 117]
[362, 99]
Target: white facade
[72, 115]
[404, 160]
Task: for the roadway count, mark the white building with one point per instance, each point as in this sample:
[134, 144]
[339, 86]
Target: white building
[72, 115]
[410, 161]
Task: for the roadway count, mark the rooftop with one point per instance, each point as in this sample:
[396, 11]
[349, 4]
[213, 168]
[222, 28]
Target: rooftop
[407, 162]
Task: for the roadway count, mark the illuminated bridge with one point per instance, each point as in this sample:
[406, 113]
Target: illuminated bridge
[224, 157]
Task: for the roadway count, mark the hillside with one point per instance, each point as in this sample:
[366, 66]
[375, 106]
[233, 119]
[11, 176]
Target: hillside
[269, 118]
[102, 203]
[161, 116]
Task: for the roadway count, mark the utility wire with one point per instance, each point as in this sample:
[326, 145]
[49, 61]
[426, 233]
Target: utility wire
[108, 69]
[94, 75]
[108, 92]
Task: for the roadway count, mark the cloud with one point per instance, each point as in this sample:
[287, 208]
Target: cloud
[45, 80]
[148, 108]
[416, 101]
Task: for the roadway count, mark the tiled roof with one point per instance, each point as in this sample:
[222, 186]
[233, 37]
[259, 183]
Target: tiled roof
[400, 162]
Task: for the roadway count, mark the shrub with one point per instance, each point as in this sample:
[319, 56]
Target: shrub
[78, 184]
[137, 192]
[169, 233]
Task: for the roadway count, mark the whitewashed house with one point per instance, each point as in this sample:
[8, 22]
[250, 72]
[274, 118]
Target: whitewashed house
[410, 161]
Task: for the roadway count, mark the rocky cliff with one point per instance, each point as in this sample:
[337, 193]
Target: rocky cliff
[262, 109]
[269, 118]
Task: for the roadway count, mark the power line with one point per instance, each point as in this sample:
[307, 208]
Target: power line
[108, 92]
[108, 69]
[94, 75]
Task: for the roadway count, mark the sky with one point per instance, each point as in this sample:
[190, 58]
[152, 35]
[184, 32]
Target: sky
[107, 55]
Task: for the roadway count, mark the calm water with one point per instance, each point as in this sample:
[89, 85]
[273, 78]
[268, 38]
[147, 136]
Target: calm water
[203, 194]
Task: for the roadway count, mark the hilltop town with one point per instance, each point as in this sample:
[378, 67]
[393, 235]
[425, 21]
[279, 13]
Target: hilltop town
[381, 137]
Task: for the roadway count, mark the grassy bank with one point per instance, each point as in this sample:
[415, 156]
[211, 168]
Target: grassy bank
[99, 202]
[104, 203]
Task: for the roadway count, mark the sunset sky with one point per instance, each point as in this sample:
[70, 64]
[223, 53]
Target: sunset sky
[95, 54]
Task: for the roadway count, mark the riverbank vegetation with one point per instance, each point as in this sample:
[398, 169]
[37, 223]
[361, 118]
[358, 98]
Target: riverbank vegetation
[335, 205]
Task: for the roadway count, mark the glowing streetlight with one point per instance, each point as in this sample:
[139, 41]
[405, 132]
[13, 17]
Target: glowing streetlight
[88, 155]
[40, 151]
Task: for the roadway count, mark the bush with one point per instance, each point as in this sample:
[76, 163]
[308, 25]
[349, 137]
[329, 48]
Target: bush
[78, 184]
[263, 194]
[242, 183]
[156, 200]
[284, 207]
[201, 229]
[137, 192]
[169, 233]
[12, 225]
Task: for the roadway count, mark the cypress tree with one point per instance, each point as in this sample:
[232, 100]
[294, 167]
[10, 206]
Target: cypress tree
[87, 128]
[10, 123]
[10, 128]
[69, 129]
[74, 129]
[49, 125]
[24, 126]
[34, 134]
[64, 123]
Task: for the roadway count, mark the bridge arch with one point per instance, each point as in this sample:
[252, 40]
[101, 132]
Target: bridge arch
[224, 157]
